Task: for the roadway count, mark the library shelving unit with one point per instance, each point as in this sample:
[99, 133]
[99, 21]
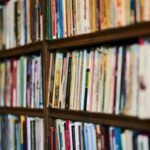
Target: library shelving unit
[109, 36]
[29, 49]
[45, 47]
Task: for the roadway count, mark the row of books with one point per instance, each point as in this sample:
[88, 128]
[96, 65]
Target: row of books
[21, 133]
[21, 82]
[72, 17]
[102, 79]
[69, 135]
[21, 23]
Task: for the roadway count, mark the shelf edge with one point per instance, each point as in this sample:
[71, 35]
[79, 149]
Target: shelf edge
[22, 111]
[122, 121]
[102, 37]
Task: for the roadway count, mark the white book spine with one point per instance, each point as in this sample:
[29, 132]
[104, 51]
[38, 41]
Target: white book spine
[64, 18]
[77, 124]
[25, 81]
[118, 86]
[83, 80]
[93, 136]
[33, 84]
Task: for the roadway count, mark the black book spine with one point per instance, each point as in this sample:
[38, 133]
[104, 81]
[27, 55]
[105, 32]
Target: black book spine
[115, 80]
[16, 21]
[122, 95]
[68, 83]
[73, 137]
[33, 135]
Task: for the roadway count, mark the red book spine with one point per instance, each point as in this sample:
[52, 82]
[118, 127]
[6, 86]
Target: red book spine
[67, 137]
[15, 83]
[51, 137]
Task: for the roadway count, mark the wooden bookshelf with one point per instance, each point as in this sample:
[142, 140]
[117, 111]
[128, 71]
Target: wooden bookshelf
[22, 111]
[109, 36]
[113, 36]
[102, 118]
[22, 50]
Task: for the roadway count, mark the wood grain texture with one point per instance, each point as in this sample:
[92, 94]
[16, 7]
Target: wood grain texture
[22, 111]
[102, 37]
[22, 50]
[122, 121]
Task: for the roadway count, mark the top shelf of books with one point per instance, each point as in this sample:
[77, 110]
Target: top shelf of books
[28, 21]
[107, 36]
[116, 35]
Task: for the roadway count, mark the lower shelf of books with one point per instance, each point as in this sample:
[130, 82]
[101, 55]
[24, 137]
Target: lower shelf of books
[67, 134]
[21, 132]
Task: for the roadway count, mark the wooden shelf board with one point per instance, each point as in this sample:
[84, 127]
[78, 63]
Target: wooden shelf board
[22, 50]
[22, 111]
[101, 118]
[102, 37]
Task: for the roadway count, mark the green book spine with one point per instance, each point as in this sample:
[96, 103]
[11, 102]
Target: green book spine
[48, 20]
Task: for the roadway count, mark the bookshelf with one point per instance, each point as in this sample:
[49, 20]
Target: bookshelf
[102, 118]
[102, 37]
[22, 50]
[45, 47]
[115, 36]
[35, 48]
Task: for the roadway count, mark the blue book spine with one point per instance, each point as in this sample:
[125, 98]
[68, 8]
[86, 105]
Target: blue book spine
[41, 85]
[60, 138]
[60, 18]
[85, 137]
[117, 132]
